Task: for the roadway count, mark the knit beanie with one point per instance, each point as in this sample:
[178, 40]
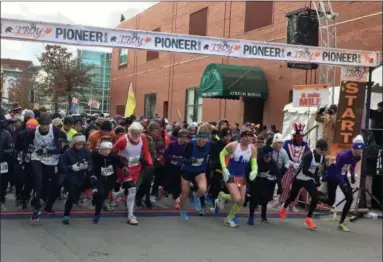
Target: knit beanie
[106, 126]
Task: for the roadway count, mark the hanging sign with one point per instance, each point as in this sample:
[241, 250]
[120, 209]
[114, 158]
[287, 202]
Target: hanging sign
[356, 74]
[94, 104]
[157, 41]
[310, 95]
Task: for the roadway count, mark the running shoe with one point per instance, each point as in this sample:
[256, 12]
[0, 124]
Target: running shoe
[293, 209]
[133, 221]
[235, 219]
[282, 213]
[96, 219]
[107, 207]
[343, 228]
[265, 220]
[66, 220]
[184, 215]
[177, 203]
[250, 221]
[218, 205]
[231, 223]
[197, 203]
[202, 212]
[309, 223]
[36, 216]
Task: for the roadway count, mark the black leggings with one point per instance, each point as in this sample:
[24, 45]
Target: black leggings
[146, 178]
[159, 179]
[74, 192]
[27, 181]
[216, 184]
[4, 185]
[46, 185]
[311, 189]
[173, 180]
[103, 186]
[332, 185]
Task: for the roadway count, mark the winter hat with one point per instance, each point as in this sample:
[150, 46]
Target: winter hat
[183, 133]
[16, 107]
[68, 120]
[298, 128]
[322, 144]
[267, 151]
[153, 125]
[119, 129]
[278, 138]
[192, 129]
[29, 114]
[225, 132]
[45, 119]
[57, 122]
[106, 126]
[32, 123]
[358, 142]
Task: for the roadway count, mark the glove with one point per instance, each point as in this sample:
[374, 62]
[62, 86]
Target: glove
[83, 166]
[253, 175]
[353, 179]
[76, 167]
[225, 174]
[296, 166]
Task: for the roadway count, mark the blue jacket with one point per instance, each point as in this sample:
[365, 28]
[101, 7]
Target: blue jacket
[71, 157]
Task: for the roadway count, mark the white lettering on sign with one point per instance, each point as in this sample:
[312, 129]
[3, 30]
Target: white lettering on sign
[310, 96]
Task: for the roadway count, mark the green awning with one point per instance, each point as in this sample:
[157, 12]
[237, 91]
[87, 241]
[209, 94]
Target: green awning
[233, 82]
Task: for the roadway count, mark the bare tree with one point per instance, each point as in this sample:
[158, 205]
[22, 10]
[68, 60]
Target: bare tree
[20, 89]
[63, 74]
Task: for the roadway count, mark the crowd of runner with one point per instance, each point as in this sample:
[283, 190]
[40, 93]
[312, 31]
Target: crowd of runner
[139, 160]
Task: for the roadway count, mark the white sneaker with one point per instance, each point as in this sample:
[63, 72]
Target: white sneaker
[230, 223]
[220, 204]
[153, 199]
[133, 221]
[293, 209]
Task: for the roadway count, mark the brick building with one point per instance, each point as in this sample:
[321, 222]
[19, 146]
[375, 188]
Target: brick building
[165, 83]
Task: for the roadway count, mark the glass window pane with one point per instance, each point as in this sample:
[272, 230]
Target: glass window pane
[189, 114]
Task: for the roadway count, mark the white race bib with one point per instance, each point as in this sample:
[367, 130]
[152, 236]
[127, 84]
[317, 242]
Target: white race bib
[3, 167]
[133, 161]
[107, 171]
[198, 162]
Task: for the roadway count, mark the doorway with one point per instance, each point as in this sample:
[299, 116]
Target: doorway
[253, 110]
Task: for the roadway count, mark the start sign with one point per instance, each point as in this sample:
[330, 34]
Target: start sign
[310, 95]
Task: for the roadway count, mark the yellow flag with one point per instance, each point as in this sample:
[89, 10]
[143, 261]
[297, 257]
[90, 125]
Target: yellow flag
[130, 102]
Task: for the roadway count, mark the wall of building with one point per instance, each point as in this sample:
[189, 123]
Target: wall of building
[359, 27]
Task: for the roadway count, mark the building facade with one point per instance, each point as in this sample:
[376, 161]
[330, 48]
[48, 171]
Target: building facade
[18, 74]
[99, 88]
[167, 83]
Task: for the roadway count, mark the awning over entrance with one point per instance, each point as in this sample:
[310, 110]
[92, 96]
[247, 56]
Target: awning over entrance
[233, 82]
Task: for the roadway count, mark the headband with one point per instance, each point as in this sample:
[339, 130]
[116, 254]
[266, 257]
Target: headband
[106, 145]
[78, 139]
[203, 135]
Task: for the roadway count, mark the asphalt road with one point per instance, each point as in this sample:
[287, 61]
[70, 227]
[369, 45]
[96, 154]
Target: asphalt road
[161, 239]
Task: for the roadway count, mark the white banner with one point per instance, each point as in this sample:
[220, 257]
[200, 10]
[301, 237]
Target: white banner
[94, 104]
[310, 95]
[355, 74]
[157, 41]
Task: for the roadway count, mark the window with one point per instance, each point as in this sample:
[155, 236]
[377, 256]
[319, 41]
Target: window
[123, 57]
[151, 55]
[149, 105]
[198, 22]
[258, 15]
[193, 106]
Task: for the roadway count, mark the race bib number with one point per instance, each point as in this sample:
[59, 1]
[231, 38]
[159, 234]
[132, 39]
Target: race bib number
[3, 167]
[46, 156]
[197, 162]
[133, 161]
[176, 161]
[107, 171]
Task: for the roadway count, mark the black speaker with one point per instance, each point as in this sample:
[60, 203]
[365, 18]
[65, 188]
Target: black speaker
[303, 29]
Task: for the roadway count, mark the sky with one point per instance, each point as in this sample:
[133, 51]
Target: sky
[85, 13]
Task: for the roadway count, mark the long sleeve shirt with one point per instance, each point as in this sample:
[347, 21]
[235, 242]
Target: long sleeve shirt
[281, 158]
[174, 153]
[345, 162]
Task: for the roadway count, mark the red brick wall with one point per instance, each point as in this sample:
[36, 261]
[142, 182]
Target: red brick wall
[171, 74]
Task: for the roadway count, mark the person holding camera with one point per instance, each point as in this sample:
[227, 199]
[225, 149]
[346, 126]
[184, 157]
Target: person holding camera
[75, 163]
[328, 119]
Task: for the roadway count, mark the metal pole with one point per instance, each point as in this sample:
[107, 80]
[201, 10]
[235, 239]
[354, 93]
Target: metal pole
[362, 185]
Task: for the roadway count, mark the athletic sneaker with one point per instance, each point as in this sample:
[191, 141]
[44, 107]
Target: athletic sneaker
[265, 220]
[184, 215]
[309, 223]
[282, 213]
[343, 228]
[107, 207]
[250, 221]
[202, 212]
[36, 216]
[293, 209]
[231, 223]
[218, 205]
[133, 221]
[197, 203]
[96, 219]
[66, 220]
